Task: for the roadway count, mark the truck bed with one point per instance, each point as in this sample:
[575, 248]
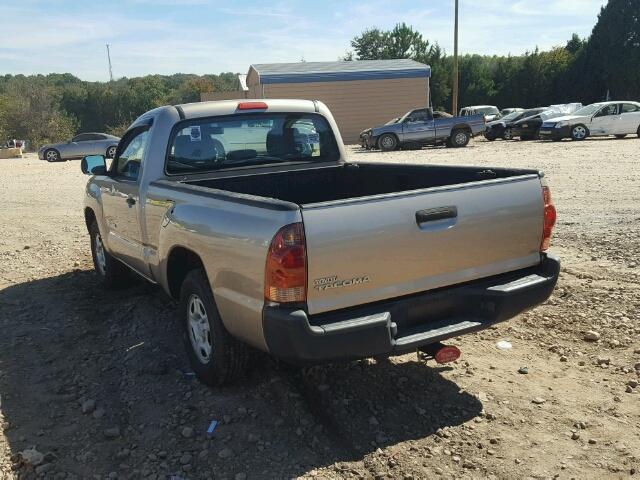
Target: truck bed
[377, 231]
[354, 180]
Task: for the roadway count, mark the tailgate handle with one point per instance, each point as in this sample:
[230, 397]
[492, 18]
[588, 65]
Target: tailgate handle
[433, 214]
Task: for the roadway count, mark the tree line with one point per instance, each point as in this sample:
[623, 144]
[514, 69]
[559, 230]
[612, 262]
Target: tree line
[47, 108]
[54, 107]
[607, 64]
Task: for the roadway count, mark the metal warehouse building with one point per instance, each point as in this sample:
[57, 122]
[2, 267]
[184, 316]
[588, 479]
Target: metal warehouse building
[360, 94]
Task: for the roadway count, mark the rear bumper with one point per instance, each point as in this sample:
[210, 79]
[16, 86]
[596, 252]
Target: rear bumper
[555, 133]
[404, 324]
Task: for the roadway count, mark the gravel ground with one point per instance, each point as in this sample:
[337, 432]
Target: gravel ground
[95, 384]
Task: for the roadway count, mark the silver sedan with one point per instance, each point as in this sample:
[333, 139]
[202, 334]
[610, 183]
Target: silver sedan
[80, 146]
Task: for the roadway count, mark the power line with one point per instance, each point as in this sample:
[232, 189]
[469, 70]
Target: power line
[110, 69]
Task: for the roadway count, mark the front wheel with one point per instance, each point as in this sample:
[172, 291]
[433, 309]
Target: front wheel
[112, 272]
[215, 356]
[388, 142]
[459, 138]
[111, 152]
[579, 132]
[52, 155]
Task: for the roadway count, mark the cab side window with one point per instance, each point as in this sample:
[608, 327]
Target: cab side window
[83, 137]
[129, 161]
[630, 108]
[608, 110]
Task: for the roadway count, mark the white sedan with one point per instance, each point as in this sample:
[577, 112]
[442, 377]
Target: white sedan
[620, 118]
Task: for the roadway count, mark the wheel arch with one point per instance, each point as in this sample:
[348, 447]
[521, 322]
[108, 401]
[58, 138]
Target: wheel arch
[461, 126]
[180, 261]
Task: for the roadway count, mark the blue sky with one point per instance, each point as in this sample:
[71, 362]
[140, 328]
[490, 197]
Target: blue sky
[206, 36]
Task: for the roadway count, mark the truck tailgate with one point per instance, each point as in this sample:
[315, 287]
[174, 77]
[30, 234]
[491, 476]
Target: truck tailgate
[369, 249]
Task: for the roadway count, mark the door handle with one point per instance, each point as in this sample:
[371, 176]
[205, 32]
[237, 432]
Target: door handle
[438, 213]
[131, 201]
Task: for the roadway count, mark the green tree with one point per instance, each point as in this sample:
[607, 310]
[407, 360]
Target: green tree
[613, 52]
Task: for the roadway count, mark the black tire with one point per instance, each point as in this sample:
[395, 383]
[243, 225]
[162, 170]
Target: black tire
[579, 132]
[228, 359]
[113, 273]
[52, 155]
[507, 134]
[387, 142]
[459, 138]
[491, 138]
[111, 152]
[621, 135]
[536, 134]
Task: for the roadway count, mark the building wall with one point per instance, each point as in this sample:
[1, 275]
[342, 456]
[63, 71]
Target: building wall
[356, 105]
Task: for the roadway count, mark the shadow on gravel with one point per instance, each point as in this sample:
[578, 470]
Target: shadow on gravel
[99, 381]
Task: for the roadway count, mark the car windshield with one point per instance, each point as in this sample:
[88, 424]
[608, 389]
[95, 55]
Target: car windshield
[588, 110]
[511, 116]
[246, 140]
[487, 110]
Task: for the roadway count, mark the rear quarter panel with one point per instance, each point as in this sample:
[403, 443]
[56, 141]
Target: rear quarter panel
[231, 239]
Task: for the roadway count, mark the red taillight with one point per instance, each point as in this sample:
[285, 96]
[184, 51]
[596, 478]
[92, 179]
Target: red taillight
[549, 218]
[448, 353]
[286, 270]
[252, 106]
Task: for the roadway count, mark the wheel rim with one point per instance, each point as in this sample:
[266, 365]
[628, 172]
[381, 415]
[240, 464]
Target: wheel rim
[579, 132]
[199, 330]
[52, 155]
[507, 134]
[111, 152]
[101, 259]
[461, 138]
[387, 142]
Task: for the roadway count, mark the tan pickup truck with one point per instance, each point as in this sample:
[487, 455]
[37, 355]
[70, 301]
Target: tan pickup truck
[248, 213]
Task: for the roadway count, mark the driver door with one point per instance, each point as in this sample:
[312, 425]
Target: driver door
[419, 127]
[604, 122]
[80, 146]
[121, 203]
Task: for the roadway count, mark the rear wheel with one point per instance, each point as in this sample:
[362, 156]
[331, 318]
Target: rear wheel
[459, 138]
[388, 142]
[215, 356]
[622, 135]
[52, 155]
[111, 271]
[579, 132]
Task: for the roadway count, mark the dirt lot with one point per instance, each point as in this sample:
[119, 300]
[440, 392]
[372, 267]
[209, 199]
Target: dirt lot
[98, 381]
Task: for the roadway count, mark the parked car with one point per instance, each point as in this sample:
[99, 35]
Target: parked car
[80, 146]
[419, 127]
[529, 128]
[304, 255]
[490, 112]
[502, 128]
[619, 118]
[507, 111]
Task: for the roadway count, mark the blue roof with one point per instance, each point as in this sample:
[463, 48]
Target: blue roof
[304, 72]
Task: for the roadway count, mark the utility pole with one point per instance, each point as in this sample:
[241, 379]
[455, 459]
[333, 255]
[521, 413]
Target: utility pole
[109, 57]
[454, 92]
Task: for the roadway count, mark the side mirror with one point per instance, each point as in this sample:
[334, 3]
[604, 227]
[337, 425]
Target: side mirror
[93, 165]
